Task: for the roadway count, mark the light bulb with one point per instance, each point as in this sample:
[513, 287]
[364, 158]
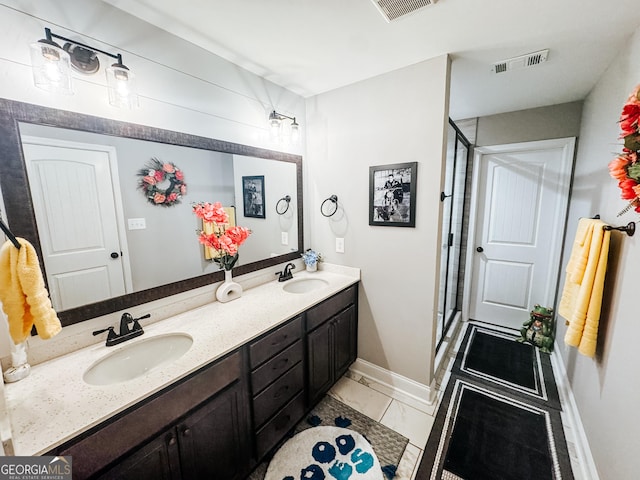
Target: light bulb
[274, 126]
[51, 67]
[295, 132]
[121, 85]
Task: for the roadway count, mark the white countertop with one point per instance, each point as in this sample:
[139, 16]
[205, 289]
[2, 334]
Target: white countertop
[53, 404]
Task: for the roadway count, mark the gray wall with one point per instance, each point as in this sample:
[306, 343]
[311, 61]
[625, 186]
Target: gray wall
[556, 121]
[606, 388]
[266, 233]
[399, 266]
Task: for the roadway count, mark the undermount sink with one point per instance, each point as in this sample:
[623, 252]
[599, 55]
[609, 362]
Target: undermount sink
[135, 360]
[304, 285]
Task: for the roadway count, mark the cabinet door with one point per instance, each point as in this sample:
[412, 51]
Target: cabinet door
[344, 341]
[158, 460]
[214, 439]
[320, 362]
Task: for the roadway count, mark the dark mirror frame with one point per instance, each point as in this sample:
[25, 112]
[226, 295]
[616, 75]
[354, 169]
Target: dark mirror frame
[19, 205]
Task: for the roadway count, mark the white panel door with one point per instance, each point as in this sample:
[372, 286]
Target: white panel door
[75, 210]
[522, 193]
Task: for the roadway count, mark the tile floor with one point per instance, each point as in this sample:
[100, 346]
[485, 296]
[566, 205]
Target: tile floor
[411, 419]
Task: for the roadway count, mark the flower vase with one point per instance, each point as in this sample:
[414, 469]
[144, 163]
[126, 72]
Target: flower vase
[229, 290]
[312, 267]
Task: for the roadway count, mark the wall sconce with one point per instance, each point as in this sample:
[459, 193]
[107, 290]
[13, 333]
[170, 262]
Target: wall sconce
[52, 68]
[290, 134]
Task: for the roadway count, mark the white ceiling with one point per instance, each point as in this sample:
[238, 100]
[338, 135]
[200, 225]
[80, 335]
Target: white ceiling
[313, 46]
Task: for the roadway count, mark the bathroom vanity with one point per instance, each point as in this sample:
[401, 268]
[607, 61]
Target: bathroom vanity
[257, 366]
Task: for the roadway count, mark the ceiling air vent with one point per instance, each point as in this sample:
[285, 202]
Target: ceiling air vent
[523, 61]
[394, 9]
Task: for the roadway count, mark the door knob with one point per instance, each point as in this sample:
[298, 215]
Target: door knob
[479, 249]
[114, 255]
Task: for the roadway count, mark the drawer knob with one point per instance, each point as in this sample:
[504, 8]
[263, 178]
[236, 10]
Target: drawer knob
[281, 391]
[282, 339]
[280, 363]
[171, 441]
[186, 432]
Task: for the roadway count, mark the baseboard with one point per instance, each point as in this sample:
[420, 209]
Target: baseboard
[399, 387]
[572, 417]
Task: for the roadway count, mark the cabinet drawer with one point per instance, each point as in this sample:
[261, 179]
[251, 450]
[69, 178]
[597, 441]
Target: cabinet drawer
[269, 435]
[275, 367]
[331, 306]
[277, 394]
[276, 341]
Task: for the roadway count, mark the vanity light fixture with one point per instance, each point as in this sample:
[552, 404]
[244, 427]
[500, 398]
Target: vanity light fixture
[286, 134]
[52, 68]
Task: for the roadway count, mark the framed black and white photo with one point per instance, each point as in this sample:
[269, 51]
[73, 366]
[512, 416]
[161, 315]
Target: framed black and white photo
[253, 194]
[392, 195]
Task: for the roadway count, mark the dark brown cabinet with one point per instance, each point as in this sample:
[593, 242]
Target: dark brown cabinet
[331, 342]
[277, 380]
[197, 429]
[213, 441]
[222, 420]
[209, 443]
[158, 459]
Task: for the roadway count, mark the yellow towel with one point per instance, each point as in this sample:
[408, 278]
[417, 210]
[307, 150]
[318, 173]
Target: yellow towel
[581, 299]
[24, 297]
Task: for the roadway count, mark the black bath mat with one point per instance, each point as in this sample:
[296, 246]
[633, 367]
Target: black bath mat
[480, 433]
[494, 356]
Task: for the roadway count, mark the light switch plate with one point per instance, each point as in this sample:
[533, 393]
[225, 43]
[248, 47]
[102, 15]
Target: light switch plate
[137, 223]
[284, 238]
[340, 245]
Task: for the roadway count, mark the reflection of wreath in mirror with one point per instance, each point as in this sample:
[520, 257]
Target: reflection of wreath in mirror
[162, 183]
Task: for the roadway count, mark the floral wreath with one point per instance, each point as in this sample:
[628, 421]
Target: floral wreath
[153, 183]
[625, 167]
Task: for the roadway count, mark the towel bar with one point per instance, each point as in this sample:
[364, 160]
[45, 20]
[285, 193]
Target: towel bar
[629, 228]
[9, 235]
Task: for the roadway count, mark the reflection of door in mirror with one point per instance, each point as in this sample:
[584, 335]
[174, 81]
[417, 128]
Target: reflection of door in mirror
[73, 186]
[159, 244]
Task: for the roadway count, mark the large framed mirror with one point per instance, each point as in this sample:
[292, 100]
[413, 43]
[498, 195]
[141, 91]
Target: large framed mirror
[58, 168]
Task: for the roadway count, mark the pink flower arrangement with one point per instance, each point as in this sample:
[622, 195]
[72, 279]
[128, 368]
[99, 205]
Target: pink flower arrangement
[225, 240]
[625, 168]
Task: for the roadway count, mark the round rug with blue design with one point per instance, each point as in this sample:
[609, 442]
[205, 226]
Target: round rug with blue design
[325, 453]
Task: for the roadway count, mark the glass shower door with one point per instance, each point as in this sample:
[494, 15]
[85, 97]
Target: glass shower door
[453, 199]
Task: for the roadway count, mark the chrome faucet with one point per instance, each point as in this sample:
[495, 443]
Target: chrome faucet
[286, 273]
[125, 333]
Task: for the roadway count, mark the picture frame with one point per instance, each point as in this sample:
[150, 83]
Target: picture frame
[253, 196]
[392, 195]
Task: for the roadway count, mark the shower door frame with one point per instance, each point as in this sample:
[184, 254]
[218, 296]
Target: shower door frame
[445, 320]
